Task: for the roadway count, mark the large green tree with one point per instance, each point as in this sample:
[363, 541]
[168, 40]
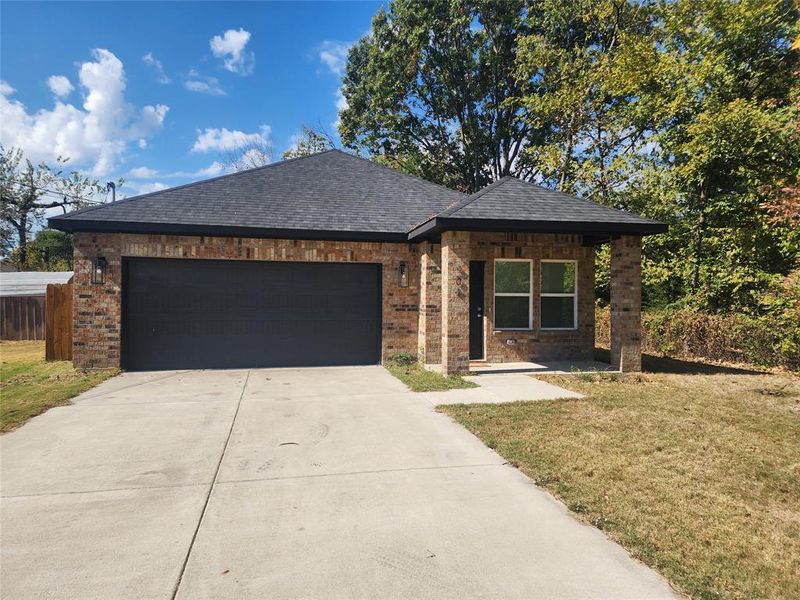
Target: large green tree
[719, 77]
[431, 89]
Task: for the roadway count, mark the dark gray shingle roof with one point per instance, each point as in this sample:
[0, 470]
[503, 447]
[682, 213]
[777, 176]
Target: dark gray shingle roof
[513, 199]
[329, 191]
[335, 195]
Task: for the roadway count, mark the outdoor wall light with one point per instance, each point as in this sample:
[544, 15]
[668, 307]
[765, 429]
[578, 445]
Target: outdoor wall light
[99, 270]
[402, 275]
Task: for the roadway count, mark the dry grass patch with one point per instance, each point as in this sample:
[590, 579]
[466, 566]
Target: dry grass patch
[697, 475]
[29, 385]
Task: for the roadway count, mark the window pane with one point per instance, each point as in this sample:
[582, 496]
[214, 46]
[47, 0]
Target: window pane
[558, 312]
[511, 312]
[558, 278]
[512, 277]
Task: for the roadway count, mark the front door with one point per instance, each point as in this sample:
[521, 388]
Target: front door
[476, 268]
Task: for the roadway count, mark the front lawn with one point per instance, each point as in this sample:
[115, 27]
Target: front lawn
[698, 475]
[29, 385]
[421, 380]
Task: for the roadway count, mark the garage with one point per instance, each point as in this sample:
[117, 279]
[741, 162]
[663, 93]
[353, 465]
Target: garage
[203, 314]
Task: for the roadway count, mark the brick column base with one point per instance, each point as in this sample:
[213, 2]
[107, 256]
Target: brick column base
[626, 303]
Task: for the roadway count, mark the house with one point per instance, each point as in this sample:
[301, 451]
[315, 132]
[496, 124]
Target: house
[332, 259]
[22, 302]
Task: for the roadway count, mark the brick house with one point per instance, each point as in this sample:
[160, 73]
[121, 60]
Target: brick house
[331, 259]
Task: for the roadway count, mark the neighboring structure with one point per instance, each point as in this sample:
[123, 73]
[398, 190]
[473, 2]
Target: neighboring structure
[22, 303]
[332, 259]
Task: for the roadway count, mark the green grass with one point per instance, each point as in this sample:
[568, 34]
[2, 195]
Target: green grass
[29, 385]
[698, 475]
[422, 380]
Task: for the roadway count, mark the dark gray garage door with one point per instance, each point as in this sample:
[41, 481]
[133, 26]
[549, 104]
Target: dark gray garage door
[197, 314]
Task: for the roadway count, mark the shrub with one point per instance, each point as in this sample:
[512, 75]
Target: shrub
[770, 338]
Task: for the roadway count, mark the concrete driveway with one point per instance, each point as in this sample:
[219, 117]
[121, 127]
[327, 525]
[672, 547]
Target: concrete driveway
[290, 483]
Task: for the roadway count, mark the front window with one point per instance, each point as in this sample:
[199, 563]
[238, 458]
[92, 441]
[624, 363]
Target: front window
[559, 298]
[512, 294]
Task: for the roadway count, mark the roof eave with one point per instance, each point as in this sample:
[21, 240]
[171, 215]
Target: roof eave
[92, 226]
[437, 225]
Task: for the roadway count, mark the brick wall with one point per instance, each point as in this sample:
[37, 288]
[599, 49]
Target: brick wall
[97, 308]
[537, 344]
[430, 304]
[626, 303]
[455, 301]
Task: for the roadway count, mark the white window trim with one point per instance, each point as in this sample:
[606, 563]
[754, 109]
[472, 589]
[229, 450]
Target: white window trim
[529, 295]
[573, 295]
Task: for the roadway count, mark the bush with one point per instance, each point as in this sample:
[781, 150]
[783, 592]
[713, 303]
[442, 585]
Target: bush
[771, 338]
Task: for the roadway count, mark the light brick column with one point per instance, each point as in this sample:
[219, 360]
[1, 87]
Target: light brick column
[626, 303]
[455, 302]
[429, 348]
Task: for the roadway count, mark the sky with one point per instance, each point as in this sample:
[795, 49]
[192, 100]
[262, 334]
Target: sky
[157, 92]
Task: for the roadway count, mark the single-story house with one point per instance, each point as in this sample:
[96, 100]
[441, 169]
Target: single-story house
[332, 259]
[22, 302]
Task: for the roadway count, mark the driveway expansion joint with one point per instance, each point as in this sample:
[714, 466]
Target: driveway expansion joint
[210, 490]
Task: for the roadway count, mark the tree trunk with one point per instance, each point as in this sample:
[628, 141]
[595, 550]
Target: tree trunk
[22, 235]
[698, 241]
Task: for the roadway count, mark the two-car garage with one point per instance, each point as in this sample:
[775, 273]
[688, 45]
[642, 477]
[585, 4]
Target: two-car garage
[190, 314]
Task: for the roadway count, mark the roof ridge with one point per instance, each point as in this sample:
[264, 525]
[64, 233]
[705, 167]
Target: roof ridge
[398, 171]
[457, 206]
[191, 183]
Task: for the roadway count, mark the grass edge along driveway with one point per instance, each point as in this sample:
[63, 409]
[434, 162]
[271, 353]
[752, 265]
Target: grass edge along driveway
[29, 385]
[697, 475]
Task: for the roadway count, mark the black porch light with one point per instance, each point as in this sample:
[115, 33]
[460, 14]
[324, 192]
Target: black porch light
[99, 270]
[402, 275]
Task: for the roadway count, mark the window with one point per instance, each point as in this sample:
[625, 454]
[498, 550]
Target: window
[559, 300]
[512, 294]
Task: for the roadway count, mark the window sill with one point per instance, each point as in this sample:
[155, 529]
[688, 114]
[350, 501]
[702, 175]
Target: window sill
[511, 329]
[558, 329]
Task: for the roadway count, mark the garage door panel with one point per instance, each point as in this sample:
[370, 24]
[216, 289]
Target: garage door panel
[185, 313]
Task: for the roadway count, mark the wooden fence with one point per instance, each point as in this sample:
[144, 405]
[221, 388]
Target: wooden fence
[58, 322]
[22, 318]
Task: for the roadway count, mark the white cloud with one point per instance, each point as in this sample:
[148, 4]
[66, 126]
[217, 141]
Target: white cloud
[142, 143]
[96, 133]
[341, 104]
[155, 64]
[230, 46]
[60, 85]
[211, 170]
[203, 85]
[225, 139]
[6, 89]
[334, 55]
[147, 188]
[142, 173]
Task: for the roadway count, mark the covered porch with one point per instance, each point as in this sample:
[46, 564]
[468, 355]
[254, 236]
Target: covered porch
[507, 277]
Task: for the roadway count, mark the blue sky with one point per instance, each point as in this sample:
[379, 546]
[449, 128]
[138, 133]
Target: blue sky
[155, 92]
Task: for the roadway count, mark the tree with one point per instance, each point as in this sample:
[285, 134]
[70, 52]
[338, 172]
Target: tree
[27, 191]
[432, 90]
[718, 76]
[250, 156]
[591, 128]
[50, 250]
[311, 141]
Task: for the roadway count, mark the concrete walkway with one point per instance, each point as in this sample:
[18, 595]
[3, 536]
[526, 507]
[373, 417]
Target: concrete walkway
[497, 388]
[316, 483]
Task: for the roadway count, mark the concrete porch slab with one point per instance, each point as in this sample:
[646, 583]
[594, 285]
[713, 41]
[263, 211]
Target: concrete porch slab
[550, 367]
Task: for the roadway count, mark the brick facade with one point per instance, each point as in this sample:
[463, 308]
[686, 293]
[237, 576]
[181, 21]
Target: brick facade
[455, 301]
[98, 310]
[430, 304]
[626, 303]
[429, 318]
